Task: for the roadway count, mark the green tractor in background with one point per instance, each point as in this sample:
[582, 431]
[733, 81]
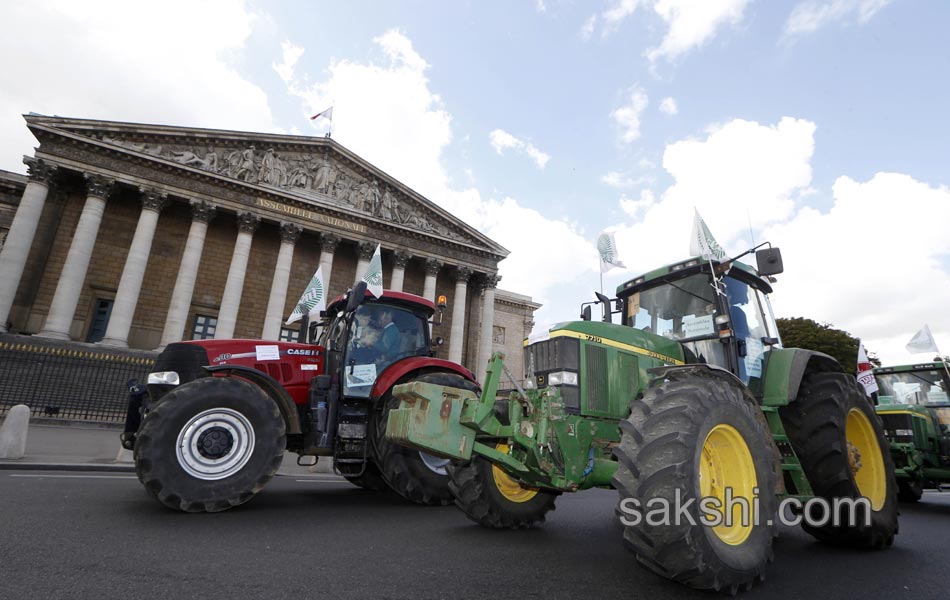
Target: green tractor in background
[914, 405]
[691, 397]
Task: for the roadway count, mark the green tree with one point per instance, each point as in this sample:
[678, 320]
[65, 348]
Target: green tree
[799, 332]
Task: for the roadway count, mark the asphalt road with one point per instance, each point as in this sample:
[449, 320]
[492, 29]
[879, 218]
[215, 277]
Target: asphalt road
[87, 535]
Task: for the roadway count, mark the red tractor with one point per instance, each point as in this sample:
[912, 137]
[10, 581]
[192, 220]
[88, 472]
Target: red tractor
[212, 425]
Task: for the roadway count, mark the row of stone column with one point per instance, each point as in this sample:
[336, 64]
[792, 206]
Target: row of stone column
[69, 286]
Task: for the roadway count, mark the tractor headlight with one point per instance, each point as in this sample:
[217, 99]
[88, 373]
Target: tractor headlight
[529, 383]
[562, 378]
[163, 378]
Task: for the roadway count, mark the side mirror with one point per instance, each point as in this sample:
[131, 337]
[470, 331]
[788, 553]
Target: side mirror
[608, 317]
[357, 295]
[585, 313]
[768, 261]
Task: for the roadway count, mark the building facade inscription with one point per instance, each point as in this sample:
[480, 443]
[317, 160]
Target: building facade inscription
[311, 215]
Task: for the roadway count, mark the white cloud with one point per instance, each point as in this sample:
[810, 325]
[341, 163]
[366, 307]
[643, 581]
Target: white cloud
[628, 116]
[809, 16]
[867, 268]
[741, 172]
[668, 106]
[692, 24]
[291, 53]
[390, 116]
[501, 140]
[126, 61]
[611, 18]
[635, 208]
[616, 179]
[862, 266]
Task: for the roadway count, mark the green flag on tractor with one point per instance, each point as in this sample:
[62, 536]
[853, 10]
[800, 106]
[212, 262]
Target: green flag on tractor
[313, 300]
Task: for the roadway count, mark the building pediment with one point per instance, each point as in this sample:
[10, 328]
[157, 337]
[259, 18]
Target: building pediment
[310, 171]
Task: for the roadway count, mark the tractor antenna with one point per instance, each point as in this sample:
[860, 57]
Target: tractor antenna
[749, 217]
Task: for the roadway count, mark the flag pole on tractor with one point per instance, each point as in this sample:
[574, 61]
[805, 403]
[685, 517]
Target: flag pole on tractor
[607, 247]
[328, 115]
[865, 374]
[312, 302]
[374, 274]
[923, 341]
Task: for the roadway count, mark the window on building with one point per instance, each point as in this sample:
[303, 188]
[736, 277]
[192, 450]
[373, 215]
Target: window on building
[100, 320]
[204, 328]
[288, 335]
[498, 335]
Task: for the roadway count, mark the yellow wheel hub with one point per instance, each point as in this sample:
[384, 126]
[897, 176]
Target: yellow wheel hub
[865, 459]
[510, 488]
[726, 463]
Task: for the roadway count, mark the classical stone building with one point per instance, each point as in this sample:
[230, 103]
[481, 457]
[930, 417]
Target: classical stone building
[131, 235]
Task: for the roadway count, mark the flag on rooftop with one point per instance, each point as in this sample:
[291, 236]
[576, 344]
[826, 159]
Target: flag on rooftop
[374, 274]
[327, 114]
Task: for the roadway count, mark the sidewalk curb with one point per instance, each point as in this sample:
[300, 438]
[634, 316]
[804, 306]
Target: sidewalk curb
[32, 466]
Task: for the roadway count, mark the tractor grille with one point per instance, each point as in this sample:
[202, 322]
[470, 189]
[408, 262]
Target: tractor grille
[595, 378]
[898, 427]
[279, 371]
[558, 354]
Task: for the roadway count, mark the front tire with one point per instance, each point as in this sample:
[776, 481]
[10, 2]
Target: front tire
[414, 475]
[841, 445]
[910, 490]
[690, 437]
[491, 498]
[209, 445]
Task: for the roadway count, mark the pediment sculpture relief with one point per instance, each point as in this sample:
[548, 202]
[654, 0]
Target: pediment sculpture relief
[301, 172]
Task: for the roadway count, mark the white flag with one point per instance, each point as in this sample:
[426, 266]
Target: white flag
[702, 243]
[923, 341]
[328, 114]
[865, 372]
[312, 301]
[374, 274]
[607, 247]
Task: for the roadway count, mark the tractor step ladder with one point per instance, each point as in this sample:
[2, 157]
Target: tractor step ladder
[790, 463]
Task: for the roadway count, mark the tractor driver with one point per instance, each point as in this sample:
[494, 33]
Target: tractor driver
[391, 340]
[365, 339]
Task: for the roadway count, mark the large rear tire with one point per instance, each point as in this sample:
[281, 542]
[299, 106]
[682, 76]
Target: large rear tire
[414, 475]
[840, 442]
[690, 437]
[209, 445]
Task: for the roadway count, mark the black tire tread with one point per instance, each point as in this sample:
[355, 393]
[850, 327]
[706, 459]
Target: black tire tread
[815, 423]
[152, 461]
[655, 456]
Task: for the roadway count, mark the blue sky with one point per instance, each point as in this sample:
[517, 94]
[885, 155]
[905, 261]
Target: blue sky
[820, 124]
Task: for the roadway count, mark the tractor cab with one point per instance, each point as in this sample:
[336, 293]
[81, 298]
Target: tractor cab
[718, 310]
[364, 338]
[914, 406]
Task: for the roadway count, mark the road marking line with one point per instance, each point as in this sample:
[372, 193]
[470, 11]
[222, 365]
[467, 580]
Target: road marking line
[78, 476]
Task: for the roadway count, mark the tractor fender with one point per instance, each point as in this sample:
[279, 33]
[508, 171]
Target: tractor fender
[785, 369]
[399, 369]
[270, 386]
[702, 370]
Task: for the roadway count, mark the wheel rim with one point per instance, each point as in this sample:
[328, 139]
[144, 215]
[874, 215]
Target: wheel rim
[509, 487]
[725, 462]
[864, 458]
[215, 444]
[434, 463]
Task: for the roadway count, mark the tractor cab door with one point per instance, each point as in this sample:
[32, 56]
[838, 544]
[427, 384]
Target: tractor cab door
[753, 327]
[378, 336]
[333, 339]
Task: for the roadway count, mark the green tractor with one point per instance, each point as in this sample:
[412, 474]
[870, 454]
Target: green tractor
[915, 408]
[689, 407]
